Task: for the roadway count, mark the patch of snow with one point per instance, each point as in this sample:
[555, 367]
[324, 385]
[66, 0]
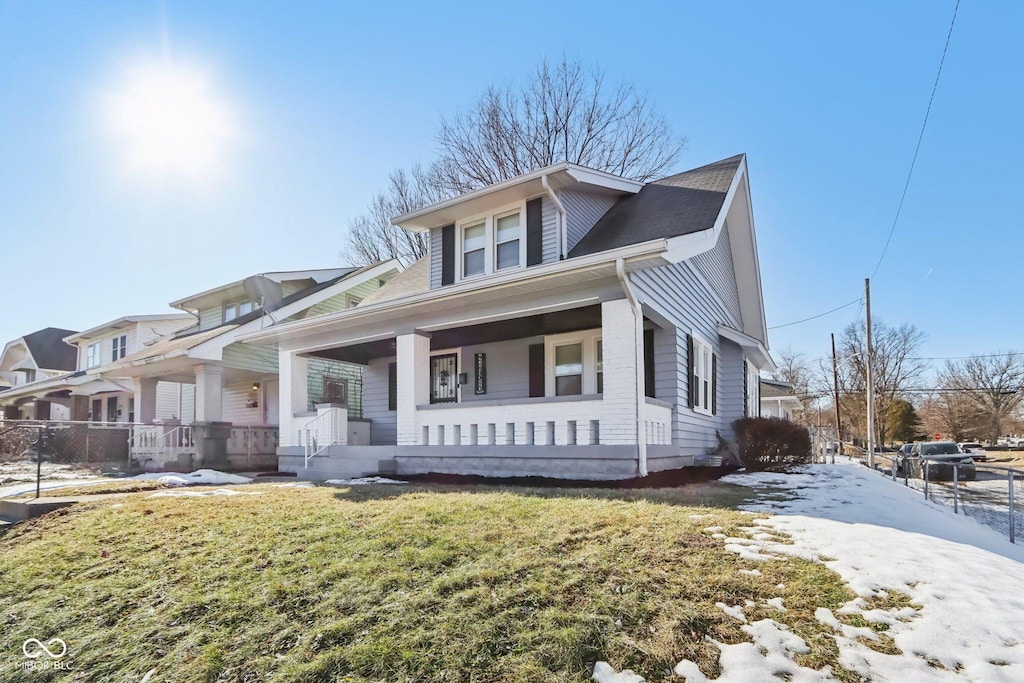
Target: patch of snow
[208, 492]
[751, 572]
[734, 612]
[776, 603]
[207, 477]
[295, 485]
[713, 530]
[880, 537]
[363, 481]
[605, 673]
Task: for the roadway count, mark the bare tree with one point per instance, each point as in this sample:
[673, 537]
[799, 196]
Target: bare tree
[373, 238]
[894, 369]
[988, 390]
[794, 368]
[563, 112]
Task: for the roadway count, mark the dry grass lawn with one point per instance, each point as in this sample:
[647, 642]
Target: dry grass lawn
[394, 584]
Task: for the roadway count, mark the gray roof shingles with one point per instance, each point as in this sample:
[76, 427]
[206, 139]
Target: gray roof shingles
[680, 204]
[49, 350]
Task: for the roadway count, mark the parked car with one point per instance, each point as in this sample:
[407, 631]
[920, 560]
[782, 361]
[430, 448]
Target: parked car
[975, 450]
[942, 457]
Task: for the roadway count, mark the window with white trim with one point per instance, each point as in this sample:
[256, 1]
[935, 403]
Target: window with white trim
[92, 355]
[236, 309]
[599, 365]
[119, 347]
[571, 363]
[492, 242]
[702, 370]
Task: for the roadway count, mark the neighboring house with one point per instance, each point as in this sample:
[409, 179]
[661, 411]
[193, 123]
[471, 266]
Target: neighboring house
[83, 394]
[25, 364]
[778, 399]
[566, 323]
[228, 393]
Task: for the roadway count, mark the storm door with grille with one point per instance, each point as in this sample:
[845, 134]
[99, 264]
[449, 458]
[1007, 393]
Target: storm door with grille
[444, 378]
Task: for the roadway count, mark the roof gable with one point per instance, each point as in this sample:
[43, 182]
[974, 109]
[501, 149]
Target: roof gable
[49, 350]
[680, 204]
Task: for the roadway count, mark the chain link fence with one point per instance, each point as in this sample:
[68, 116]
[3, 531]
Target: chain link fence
[991, 494]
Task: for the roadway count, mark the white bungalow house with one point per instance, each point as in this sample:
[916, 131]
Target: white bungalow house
[226, 411]
[566, 323]
[84, 394]
[26, 364]
[778, 399]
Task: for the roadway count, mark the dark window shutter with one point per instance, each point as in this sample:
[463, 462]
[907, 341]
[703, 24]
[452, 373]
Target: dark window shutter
[649, 363]
[536, 369]
[392, 386]
[714, 384]
[534, 233]
[746, 396]
[447, 254]
[691, 385]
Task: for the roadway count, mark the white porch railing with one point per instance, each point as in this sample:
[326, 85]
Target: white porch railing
[528, 423]
[328, 428]
[658, 423]
[161, 443]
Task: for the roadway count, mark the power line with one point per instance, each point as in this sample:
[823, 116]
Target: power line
[820, 315]
[981, 355]
[920, 137]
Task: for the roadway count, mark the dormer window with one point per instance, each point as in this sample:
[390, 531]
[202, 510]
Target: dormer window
[493, 242]
[236, 309]
[92, 355]
[119, 347]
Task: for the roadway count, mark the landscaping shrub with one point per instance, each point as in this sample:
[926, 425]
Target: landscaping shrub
[771, 444]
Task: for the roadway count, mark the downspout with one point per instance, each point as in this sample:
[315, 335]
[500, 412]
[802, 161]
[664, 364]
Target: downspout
[638, 345]
[561, 215]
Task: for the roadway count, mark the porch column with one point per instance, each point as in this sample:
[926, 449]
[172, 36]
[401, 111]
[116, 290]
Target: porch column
[145, 399]
[620, 332]
[413, 351]
[292, 393]
[209, 393]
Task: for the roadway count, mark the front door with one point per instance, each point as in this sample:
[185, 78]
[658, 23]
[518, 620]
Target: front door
[270, 402]
[444, 376]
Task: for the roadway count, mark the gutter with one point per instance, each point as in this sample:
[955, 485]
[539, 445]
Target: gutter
[562, 237]
[638, 345]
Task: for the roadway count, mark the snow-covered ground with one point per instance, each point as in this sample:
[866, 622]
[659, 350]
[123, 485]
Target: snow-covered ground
[963, 578]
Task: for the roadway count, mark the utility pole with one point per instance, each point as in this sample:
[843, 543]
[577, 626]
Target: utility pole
[867, 365]
[835, 384]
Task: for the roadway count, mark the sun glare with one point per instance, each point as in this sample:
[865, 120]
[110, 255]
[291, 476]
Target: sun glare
[170, 120]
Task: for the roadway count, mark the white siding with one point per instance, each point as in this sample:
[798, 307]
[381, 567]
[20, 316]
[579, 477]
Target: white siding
[188, 403]
[582, 211]
[168, 400]
[384, 422]
[233, 409]
[717, 267]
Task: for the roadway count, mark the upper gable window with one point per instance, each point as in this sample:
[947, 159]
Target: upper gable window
[119, 347]
[492, 242]
[92, 355]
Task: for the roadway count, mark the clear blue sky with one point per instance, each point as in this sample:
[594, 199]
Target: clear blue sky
[826, 99]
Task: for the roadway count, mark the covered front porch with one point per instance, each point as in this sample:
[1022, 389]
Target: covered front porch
[560, 385]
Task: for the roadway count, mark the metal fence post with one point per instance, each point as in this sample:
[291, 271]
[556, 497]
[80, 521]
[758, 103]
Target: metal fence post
[906, 471]
[925, 464]
[1012, 525]
[956, 487]
[39, 459]
[893, 461]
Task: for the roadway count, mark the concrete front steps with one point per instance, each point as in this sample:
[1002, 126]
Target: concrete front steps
[17, 510]
[322, 468]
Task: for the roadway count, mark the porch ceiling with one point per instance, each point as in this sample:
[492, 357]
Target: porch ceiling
[583, 318]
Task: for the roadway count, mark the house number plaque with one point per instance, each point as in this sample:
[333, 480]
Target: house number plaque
[480, 372]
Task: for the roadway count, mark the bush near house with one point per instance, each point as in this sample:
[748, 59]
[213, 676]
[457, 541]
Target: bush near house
[771, 444]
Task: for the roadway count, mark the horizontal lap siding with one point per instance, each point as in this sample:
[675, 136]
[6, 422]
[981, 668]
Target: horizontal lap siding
[168, 400]
[717, 267]
[508, 369]
[681, 295]
[339, 302]
[582, 211]
[233, 399]
[383, 422]
[210, 318]
[320, 368]
[188, 403]
[259, 358]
